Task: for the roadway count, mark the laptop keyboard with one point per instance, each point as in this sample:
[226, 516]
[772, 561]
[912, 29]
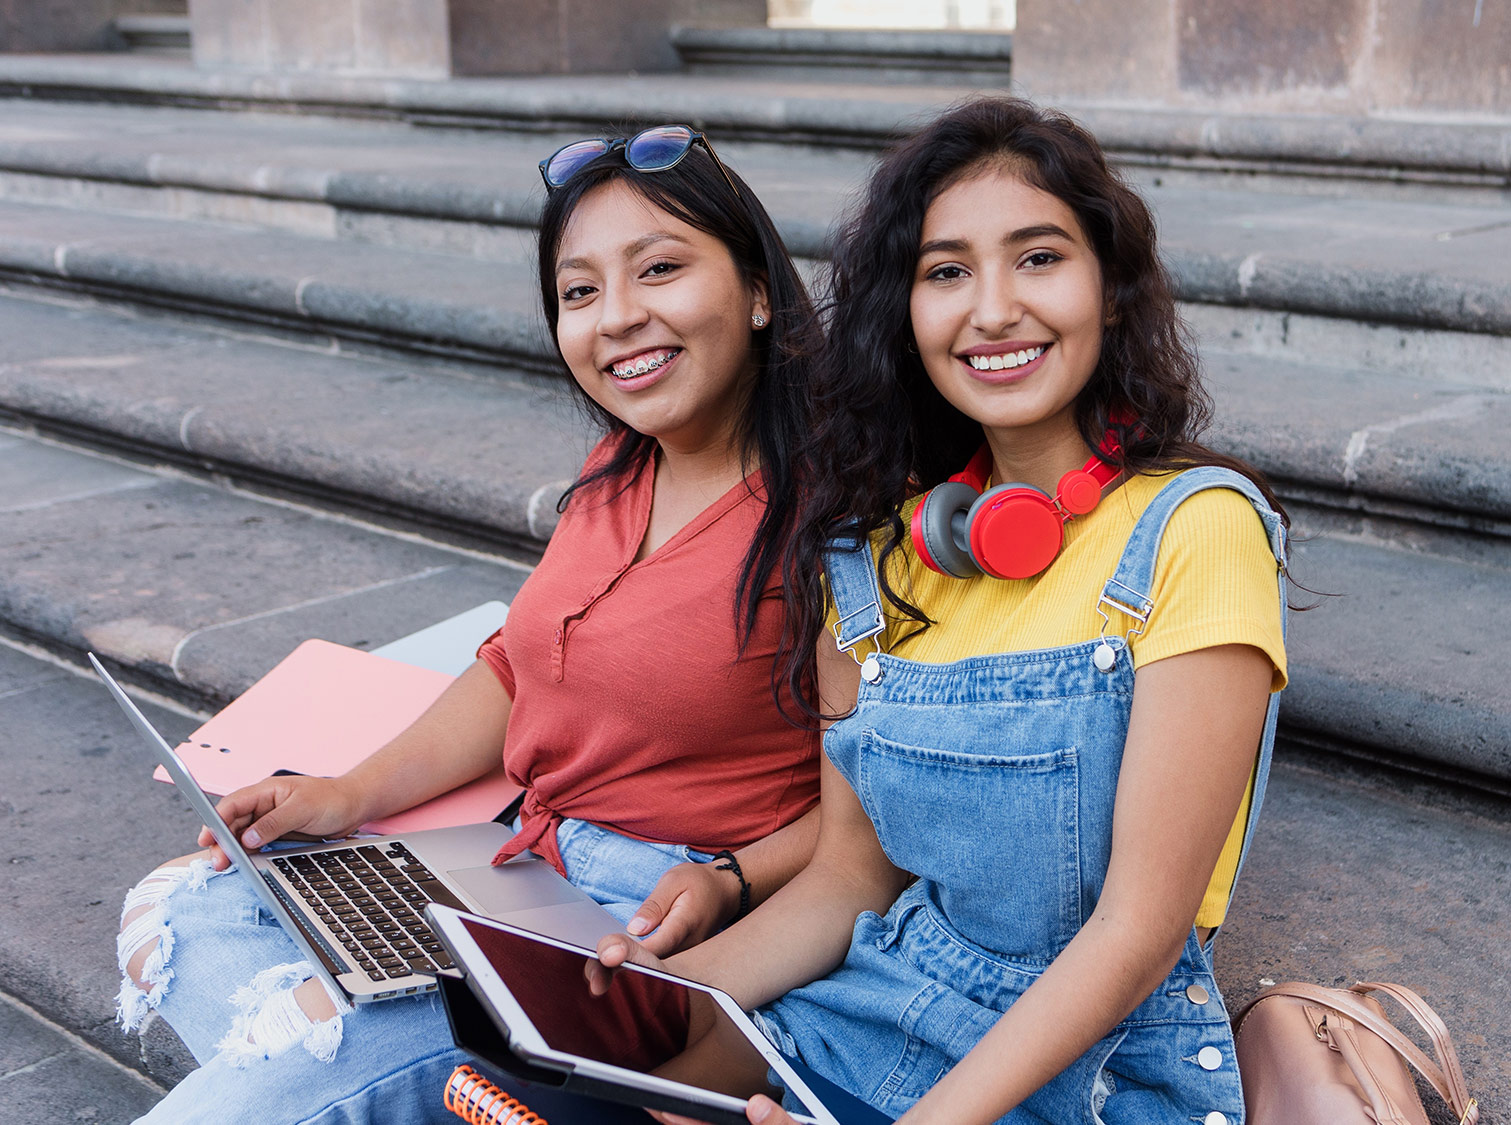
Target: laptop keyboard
[371, 897]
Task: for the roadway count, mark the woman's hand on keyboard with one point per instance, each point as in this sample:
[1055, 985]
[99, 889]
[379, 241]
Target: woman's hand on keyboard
[276, 807]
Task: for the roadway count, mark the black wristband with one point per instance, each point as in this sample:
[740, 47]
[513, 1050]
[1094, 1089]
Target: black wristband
[732, 864]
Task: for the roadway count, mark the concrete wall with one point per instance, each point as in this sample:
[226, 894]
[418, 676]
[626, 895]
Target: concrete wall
[434, 38]
[1342, 56]
[346, 36]
[69, 25]
[581, 36]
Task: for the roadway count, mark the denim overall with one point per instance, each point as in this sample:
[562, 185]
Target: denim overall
[992, 778]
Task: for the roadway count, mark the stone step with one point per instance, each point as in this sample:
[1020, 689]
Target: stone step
[1401, 660]
[84, 822]
[1374, 450]
[420, 301]
[945, 58]
[1393, 156]
[154, 32]
[1378, 442]
[1354, 879]
[477, 457]
[49, 1073]
[1420, 465]
[197, 591]
[194, 590]
[1400, 668]
[1248, 263]
[455, 190]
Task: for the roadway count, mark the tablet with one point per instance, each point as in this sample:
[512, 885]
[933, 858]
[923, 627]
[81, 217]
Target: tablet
[628, 1045]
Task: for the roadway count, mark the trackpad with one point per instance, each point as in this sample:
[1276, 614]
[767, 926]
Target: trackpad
[515, 886]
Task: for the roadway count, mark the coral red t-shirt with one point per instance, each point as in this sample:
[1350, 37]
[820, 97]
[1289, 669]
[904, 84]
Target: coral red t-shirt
[632, 707]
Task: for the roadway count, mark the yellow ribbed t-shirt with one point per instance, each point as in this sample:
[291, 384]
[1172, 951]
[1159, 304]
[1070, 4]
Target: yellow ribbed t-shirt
[1214, 584]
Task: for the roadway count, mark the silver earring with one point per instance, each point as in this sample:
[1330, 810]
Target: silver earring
[758, 321]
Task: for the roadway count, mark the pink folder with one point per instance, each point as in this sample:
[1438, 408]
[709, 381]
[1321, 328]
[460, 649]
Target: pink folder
[323, 709]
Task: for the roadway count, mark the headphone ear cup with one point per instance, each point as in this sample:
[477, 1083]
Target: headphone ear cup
[938, 530]
[1015, 531]
[1079, 492]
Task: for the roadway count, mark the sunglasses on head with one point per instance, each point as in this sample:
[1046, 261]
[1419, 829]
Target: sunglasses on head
[650, 150]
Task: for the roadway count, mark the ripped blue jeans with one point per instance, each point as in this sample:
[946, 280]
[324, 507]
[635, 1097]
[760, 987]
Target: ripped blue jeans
[223, 973]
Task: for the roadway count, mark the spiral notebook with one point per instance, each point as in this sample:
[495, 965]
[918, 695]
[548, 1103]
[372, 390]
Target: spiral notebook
[474, 1099]
[324, 708]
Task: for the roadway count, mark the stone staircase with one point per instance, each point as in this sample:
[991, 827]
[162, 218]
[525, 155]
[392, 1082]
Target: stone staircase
[1358, 344]
[271, 365]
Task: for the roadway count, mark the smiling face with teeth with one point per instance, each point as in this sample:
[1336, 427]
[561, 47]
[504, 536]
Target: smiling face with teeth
[654, 321]
[1008, 311]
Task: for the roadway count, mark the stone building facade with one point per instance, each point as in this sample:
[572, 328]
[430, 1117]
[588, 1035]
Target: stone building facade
[1339, 57]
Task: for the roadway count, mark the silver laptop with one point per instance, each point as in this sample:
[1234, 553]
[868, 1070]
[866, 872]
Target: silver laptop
[355, 906]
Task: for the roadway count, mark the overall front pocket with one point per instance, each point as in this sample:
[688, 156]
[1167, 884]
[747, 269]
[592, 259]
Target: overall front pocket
[996, 835]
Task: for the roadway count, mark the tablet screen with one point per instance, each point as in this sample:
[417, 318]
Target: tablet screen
[639, 1024]
[647, 1039]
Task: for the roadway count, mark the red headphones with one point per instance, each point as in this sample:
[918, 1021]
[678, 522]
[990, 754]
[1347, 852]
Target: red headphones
[1011, 530]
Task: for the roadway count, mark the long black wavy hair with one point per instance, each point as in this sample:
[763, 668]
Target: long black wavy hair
[777, 411]
[882, 432]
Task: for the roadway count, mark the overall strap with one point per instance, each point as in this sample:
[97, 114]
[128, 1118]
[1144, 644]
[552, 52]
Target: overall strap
[1135, 570]
[1128, 590]
[852, 583]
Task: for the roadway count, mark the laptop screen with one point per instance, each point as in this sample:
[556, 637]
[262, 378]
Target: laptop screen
[200, 801]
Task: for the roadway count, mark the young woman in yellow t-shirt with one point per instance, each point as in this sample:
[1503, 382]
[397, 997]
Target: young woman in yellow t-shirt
[1044, 775]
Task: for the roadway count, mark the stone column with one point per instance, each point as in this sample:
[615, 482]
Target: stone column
[439, 38]
[1335, 56]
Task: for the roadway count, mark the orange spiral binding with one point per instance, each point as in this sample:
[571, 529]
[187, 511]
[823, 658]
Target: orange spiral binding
[473, 1098]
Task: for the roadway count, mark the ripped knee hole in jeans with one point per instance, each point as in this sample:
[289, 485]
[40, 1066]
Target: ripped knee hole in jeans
[268, 1013]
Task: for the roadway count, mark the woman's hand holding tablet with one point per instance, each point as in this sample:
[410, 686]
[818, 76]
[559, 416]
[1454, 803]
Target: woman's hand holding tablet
[634, 1034]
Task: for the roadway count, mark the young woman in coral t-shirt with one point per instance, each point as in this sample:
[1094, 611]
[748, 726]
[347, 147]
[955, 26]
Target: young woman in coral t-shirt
[630, 692]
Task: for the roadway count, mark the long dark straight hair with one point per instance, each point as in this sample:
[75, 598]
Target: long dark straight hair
[883, 432]
[776, 414]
